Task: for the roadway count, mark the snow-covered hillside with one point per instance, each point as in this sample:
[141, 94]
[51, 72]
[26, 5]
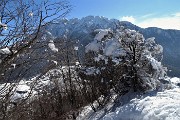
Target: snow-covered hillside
[154, 105]
[81, 30]
[32, 87]
[124, 62]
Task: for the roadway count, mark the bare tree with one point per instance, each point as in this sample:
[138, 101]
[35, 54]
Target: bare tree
[21, 26]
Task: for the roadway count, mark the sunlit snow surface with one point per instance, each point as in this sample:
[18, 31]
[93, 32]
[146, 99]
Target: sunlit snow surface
[5, 51]
[52, 46]
[163, 106]
[29, 88]
[150, 106]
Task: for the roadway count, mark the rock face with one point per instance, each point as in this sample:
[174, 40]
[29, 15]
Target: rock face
[81, 30]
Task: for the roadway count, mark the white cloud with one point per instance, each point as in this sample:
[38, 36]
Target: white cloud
[161, 22]
[147, 15]
[171, 21]
[177, 14]
[128, 18]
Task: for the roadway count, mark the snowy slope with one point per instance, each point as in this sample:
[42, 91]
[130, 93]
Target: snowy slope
[162, 105]
[33, 86]
[81, 30]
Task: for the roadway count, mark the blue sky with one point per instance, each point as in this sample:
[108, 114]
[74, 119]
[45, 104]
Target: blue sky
[144, 13]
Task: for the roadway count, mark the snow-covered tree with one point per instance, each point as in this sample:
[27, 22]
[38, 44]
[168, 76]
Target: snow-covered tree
[123, 60]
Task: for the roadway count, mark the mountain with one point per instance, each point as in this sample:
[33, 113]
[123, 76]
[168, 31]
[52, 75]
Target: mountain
[170, 40]
[59, 39]
[81, 31]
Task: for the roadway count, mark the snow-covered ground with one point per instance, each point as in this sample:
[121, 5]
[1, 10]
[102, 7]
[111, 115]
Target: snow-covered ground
[154, 105]
[161, 106]
[24, 88]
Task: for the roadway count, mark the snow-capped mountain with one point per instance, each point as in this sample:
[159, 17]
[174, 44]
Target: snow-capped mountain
[54, 49]
[51, 46]
[81, 30]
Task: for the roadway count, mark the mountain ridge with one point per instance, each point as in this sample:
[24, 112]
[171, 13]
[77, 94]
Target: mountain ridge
[81, 30]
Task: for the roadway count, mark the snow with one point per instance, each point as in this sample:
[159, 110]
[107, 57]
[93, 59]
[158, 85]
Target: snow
[19, 91]
[120, 52]
[154, 63]
[31, 14]
[175, 81]
[111, 47]
[119, 46]
[156, 66]
[159, 49]
[162, 106]
[30, 87]
[92, 71]
[93, 46]
[13, 65]
[76, 48]
[116, 61]
[5, 51]
[101, 57]
[77, 63]
[52, 46]
[3, 25]
[101, 34]
[55, 62]
[23, 88]
[153, 105]
[153, 47]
